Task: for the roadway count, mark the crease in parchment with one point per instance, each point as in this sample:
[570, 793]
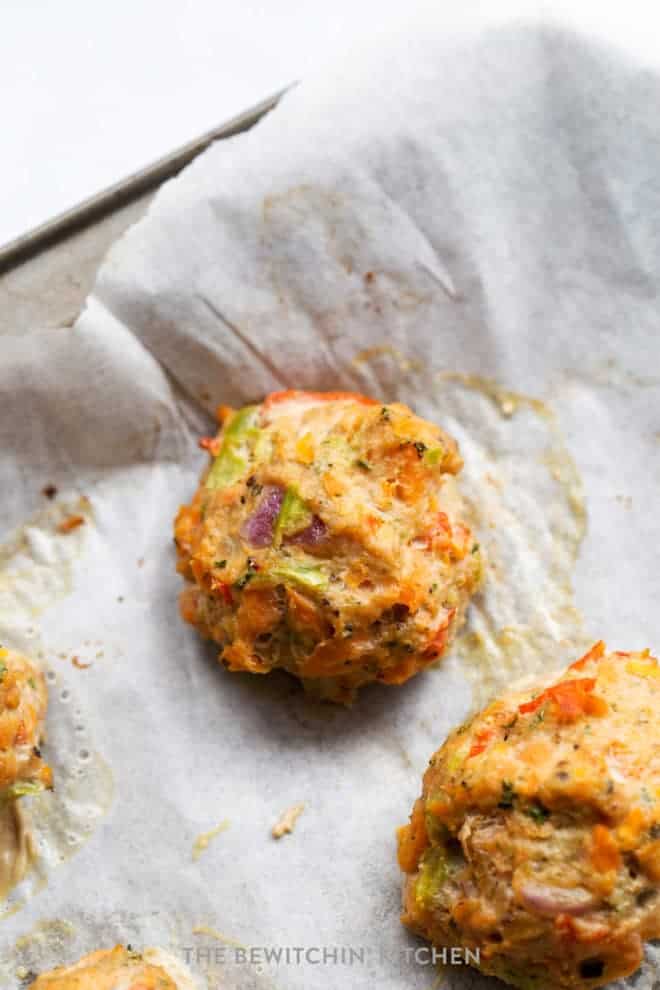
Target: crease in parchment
[245, 339]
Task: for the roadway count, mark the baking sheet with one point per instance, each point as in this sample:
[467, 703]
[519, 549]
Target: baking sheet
[481, 242]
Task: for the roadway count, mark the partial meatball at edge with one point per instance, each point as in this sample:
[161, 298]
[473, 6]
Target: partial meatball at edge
[107, 969]
[23, 704]
[536, 840]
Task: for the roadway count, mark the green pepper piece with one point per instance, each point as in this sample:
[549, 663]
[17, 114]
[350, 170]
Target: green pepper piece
[294, 515]
[433, 455]
[21, 788]
[238, 439]
[432, 875]
[302, 575]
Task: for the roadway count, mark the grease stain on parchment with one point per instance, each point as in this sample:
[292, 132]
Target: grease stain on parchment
[36, 570]
[47, 930]
[218, 936]
[36, 562]
[49, 939]
[507, 402]
[385, 350]
[532, 522]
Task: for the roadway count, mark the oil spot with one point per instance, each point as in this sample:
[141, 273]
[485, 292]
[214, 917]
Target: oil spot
[531, 521]
[217, 936]
[507, 402]
[385, 350]
[36, 562]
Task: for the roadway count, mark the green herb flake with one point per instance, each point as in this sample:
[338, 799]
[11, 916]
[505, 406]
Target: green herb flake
[537, 812]
[220, 564]
[363, 464]
[421, 448]
[385, 413]
[432, 875]
[508, 795]
[475, 548]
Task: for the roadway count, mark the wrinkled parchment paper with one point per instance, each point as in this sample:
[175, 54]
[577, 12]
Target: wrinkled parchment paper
[470, 226]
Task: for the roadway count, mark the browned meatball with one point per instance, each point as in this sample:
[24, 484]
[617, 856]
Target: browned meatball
[536, 840]
[327, 538]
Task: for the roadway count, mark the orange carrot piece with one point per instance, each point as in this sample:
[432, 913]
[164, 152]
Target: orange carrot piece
[412, 839]
[605, 854]
[595, 653]
[212, 444]
[438, 641]
[481, 742]
[70, 523]
[223, 412]
[570, 699]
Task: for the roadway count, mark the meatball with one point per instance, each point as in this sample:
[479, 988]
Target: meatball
[23, 702]
[118, 969]
[536, 840]
[327, 538]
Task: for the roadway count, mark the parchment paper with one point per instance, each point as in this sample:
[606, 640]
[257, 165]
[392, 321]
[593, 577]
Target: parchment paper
[468, 225]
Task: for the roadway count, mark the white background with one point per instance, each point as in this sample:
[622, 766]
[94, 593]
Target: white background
[89, 92]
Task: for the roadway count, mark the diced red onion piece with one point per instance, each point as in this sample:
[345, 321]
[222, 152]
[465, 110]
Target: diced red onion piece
[257, 530]
[311, 535]
[550, 901]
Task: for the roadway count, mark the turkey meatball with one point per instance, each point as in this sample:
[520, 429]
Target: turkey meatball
[536, 840]
[327, 538]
